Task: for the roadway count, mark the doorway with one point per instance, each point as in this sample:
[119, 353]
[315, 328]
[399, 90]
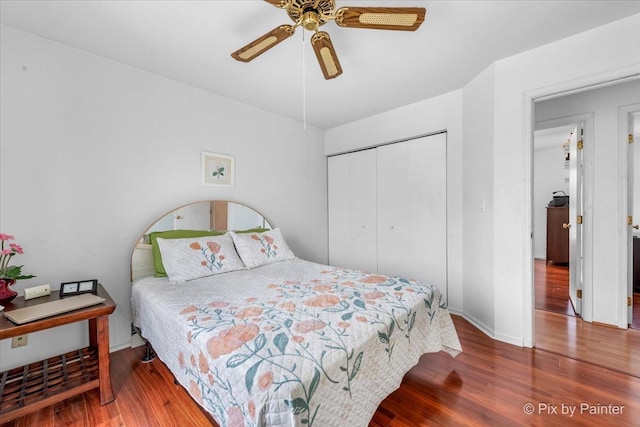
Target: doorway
[632, 119]
[558, 160]
[609, 185]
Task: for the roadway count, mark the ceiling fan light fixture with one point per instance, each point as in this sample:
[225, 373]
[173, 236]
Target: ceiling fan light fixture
[310, 21]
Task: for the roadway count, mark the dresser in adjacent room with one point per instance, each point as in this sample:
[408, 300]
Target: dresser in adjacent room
[557, 235]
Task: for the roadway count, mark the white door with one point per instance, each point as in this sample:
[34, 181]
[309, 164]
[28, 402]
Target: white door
[632, 202]
[412, 210]
[352, 210]
[576, 256]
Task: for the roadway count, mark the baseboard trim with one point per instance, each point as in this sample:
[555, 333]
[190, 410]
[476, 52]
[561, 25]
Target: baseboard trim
[489, 331]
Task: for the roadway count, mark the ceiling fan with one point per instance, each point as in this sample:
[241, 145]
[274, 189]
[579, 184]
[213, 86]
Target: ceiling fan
[312, 14]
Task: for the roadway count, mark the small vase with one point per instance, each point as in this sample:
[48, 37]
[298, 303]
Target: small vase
[6, 294]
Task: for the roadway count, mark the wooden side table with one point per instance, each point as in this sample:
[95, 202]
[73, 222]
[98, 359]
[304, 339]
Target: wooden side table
[38, 385]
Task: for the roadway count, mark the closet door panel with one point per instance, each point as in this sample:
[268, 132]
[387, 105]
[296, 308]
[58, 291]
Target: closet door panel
[412, 222]
[352, 210]
[339, 173]
[363, 218]
[393, 202]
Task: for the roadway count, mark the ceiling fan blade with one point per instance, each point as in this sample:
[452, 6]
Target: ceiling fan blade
[264, 43]
[381, 18]
[326, 55]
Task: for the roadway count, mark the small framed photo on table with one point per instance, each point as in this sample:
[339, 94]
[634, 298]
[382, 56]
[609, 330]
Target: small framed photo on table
[218, 169]
[78, 287]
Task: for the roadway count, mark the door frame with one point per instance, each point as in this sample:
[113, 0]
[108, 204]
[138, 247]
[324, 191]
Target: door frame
[626, 258]
[587, 121]
[529, 97]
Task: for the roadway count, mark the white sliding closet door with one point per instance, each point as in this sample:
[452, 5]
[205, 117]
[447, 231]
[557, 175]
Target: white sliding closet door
[352, 210]
[412, 209]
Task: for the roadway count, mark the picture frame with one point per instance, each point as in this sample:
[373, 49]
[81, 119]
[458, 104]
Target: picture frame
[218, 169]
[78, 287]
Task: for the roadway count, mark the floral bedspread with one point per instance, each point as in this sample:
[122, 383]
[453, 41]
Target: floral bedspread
[292, 343]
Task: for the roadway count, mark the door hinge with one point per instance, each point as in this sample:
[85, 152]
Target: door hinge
[579, 292]
[580, 145]
[579, 219]
[630, 138]
[629, 302]
[629, 220]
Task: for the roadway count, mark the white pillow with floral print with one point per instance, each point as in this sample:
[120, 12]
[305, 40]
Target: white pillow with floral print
[192, 258]
[256, 249]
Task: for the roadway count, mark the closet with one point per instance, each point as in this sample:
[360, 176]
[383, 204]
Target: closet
[388, 209]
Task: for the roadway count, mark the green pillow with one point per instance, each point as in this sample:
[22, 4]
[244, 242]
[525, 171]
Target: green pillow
[253, 230]
[173, 234]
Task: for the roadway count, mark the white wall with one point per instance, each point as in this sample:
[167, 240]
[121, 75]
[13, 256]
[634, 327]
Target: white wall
[478, 204]
[436, 114]
[603, 214]
[602, 53]
[93, 151]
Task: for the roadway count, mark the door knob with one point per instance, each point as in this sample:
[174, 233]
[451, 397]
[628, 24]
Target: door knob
[636, 226]
[566, 226]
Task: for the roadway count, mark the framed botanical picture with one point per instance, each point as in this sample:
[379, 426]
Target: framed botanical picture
[218, 169]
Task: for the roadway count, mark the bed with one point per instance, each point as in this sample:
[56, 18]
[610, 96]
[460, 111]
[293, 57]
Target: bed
[286, 342]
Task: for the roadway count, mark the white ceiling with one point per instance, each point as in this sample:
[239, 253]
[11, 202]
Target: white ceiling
[191, 42]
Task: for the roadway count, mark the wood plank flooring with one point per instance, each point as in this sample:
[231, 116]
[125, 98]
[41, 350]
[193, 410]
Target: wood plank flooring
[552, 291]
[490, 383]
[610, 347]
[552, 288]
[558, 329]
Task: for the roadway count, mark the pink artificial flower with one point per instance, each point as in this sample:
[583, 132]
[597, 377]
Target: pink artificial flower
[6, 236]
[15, 248]
[6, 251]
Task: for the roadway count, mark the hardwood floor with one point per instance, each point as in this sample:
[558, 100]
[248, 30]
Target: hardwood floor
[558, 329]
[552, 288]
[609, 347]
[552, 291]
[490, 383]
